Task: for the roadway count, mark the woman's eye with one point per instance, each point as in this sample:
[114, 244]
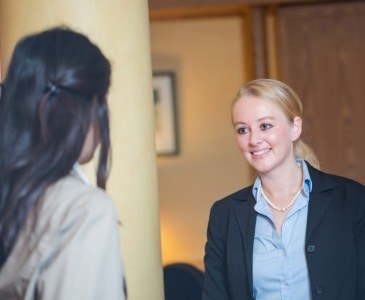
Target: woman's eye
[265, 126]
[242, 130]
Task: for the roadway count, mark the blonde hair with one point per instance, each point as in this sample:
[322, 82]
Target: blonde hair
[289, 102]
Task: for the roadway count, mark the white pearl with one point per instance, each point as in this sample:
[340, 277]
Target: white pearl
[283, 208]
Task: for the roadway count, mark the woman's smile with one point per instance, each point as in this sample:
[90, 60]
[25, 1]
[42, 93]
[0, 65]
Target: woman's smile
[260, 153]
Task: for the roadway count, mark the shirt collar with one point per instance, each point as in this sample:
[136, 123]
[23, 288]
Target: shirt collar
[78, 170]
[307, 182]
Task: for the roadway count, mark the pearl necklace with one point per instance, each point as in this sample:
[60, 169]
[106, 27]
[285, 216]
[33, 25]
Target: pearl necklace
[282, 208]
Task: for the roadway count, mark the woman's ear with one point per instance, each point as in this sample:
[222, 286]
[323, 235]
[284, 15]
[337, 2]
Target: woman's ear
[297, 128]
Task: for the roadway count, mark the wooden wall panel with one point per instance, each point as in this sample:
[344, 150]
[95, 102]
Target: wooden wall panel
[157, 4]
[321, 52]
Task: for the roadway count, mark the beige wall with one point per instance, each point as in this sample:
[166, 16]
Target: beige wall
[206, 55]
[121, 29]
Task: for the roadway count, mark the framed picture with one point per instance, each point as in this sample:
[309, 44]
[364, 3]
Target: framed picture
[164, 97]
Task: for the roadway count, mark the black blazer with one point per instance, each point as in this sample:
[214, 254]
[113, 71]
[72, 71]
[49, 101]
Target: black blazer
[334, 247]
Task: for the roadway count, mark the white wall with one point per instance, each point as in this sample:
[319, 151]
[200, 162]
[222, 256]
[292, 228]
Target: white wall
[207, 58]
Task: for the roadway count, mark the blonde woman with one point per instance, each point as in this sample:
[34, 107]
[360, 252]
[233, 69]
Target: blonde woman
[297, 232]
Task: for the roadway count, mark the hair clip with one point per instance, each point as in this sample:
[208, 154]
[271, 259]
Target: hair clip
[51, 88]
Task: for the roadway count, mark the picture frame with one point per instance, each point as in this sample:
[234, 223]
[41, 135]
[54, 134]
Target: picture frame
[165, 110]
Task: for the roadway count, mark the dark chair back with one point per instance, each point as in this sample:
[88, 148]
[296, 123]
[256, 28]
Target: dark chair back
[182, 282]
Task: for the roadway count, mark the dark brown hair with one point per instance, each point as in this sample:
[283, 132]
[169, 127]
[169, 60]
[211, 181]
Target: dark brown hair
[54, 91]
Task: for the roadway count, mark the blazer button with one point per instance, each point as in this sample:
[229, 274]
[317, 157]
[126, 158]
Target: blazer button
[311, 248]
[319, 290]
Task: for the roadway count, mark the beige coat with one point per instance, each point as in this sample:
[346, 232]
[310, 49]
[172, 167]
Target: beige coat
[72, 253]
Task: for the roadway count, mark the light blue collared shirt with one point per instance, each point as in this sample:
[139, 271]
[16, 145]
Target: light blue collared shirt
[279, 265]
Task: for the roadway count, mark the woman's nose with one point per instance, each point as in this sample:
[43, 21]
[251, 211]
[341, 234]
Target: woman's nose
[255, 137]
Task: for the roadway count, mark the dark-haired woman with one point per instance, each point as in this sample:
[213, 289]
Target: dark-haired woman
[58, 234]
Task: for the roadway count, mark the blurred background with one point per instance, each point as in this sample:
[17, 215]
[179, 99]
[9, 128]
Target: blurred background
[202, 52]
[212, 48]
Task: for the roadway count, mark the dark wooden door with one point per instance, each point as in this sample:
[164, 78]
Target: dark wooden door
[322, 56]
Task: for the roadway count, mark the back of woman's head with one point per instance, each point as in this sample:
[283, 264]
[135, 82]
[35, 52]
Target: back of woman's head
[288, 101]
[53, 93]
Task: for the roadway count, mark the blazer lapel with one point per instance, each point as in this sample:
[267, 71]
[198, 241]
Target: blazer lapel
[319, 198]
[246, 218]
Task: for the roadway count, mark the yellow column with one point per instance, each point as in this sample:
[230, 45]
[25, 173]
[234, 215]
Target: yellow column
[121, 29]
